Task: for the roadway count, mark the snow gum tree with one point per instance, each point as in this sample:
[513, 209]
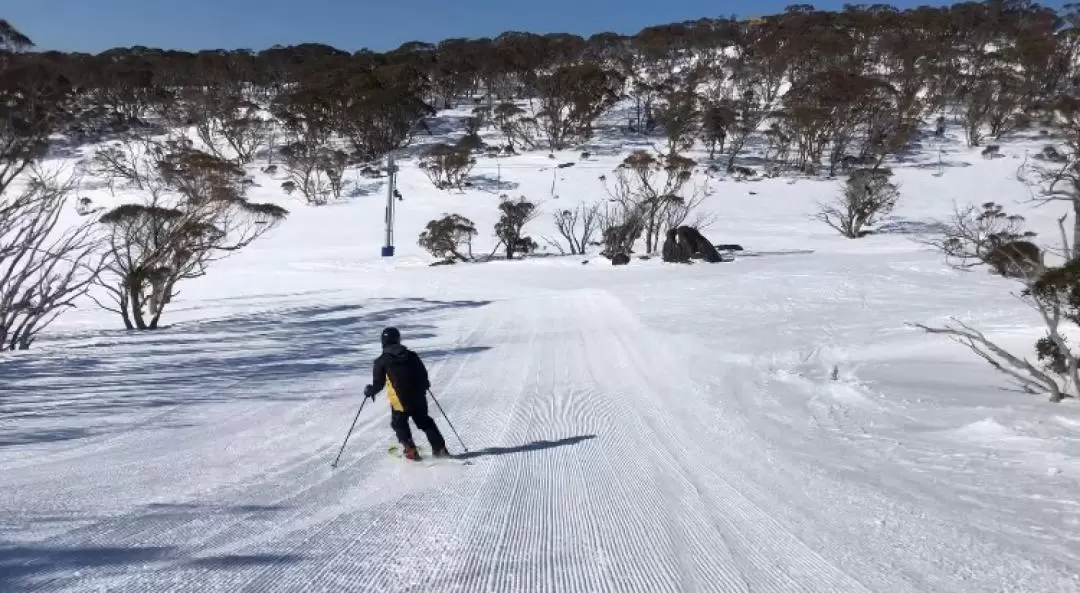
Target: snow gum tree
[44, 267]
[444, 238]
[999, 240]
[572, 98]
[197, 214]
[867, 196]
[510, 228]
[993, 238]
[447, 166]
[679, 115]
[649, 191]
[314, 166]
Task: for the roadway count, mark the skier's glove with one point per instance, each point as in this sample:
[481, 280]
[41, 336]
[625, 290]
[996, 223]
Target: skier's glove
[369, 392]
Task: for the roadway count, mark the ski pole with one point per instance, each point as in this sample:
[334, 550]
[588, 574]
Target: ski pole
[357, 417]
[448, 421]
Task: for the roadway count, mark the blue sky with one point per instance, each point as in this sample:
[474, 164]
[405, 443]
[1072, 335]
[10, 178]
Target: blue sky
[95, 25]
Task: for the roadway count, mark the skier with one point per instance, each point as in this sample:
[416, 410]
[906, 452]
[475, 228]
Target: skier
[403, 374]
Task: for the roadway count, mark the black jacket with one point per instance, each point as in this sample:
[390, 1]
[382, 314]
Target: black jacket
[403, 374]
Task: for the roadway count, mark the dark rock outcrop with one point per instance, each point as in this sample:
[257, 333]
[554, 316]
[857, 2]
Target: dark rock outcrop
[685, 243]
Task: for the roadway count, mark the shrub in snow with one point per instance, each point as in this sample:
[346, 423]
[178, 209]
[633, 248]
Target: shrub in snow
[447, 166]
[1016, 259]
[620, 227]
[444, 238]
[868, 195]
[510, 227]
[989, 236]
[576, 227]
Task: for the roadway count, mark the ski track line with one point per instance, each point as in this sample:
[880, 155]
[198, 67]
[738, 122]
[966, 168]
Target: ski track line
[673, 462]
[94, 446]
[495, 542]
[543, 515]
[595, 411]
[245, 435]
[681, 543]
[603, 529]
[781, 561]
[119, 527]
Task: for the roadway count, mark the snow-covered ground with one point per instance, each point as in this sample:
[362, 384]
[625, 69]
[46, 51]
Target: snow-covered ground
[645, 428]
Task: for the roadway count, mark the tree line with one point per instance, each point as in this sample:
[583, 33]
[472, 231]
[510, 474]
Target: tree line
[821, 80]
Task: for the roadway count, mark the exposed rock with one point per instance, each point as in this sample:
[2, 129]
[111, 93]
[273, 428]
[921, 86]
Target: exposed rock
[685, 243]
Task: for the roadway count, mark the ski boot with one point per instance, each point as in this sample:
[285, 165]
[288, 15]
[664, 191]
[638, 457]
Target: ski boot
[441, 453]
[412, 453]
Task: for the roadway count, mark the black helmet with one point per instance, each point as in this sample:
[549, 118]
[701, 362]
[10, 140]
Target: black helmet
[390, 336]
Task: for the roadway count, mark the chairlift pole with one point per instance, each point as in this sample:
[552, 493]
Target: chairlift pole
[391, 171]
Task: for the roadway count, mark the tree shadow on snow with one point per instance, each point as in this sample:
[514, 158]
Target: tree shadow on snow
[492, 184]
[905, 226]
[24, 565]
[84, 388]
[43, 435]
[533, 446]
[437, 353]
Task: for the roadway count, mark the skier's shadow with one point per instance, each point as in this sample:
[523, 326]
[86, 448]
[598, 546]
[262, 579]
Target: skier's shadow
[533, 446]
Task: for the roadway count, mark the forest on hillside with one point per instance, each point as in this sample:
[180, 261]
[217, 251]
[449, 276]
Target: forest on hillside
[823, 85]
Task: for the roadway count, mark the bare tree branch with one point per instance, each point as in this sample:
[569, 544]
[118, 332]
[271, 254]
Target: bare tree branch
[999, 358]
[44, 268]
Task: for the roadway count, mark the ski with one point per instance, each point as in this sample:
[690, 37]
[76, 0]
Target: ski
[395, 451]
[425, 456]
[738, 254]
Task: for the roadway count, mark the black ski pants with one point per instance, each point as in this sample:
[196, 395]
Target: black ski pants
[399, 421]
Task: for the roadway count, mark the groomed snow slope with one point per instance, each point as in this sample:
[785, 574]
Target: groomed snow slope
[647, 428]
